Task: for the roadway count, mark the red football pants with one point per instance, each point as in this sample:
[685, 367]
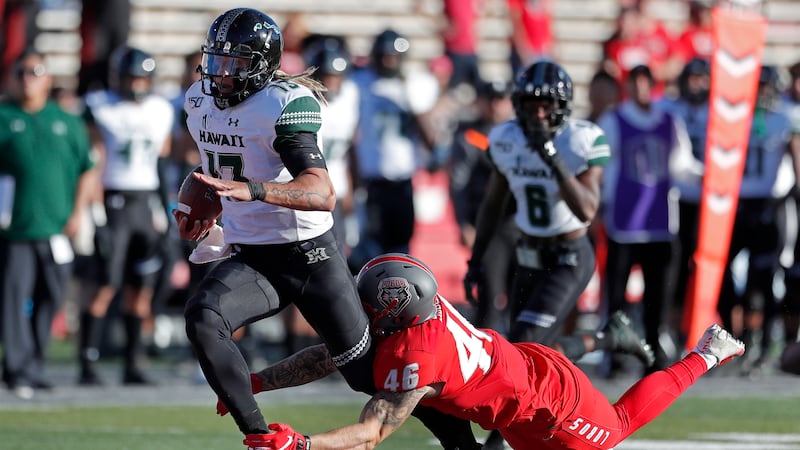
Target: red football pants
[596, 424]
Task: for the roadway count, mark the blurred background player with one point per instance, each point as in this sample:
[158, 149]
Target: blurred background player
[552, 166]
[768, 176]
[131, 126]
[391, 138]
[469, 170]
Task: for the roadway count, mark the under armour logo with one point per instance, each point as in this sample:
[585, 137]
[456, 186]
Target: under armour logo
[233, 122]
[315, 155]
[316, 255]
[205, 121]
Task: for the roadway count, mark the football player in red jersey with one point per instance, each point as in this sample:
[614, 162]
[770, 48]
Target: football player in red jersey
[428, 354]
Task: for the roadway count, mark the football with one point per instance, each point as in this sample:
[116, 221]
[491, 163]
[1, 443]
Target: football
[198, 200]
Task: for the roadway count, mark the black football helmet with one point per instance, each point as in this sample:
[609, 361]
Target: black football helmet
[397, 291]
[242, 52]
[388, 43]
[769, 88]
[543, 80]
[127, 62]
[329, 57]
[696, 93]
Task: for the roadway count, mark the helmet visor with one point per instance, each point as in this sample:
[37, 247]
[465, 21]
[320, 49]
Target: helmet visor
[215, 65]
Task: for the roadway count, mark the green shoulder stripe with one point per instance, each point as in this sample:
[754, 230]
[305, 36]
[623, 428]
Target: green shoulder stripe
[300, 115]
[600, 152]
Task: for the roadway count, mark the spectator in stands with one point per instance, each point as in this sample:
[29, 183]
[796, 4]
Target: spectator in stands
[696, 40]
[393, 104]
[638, 40]
[460, 37]
[105, 25]
[17, 32]
[46, 162]
[132, 127]
[295, 32]
[650, 149]
[531, 34]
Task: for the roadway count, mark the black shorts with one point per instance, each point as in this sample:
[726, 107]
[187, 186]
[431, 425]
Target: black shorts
[127, 248]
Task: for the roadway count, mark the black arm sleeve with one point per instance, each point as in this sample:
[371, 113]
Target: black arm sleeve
[299, 151]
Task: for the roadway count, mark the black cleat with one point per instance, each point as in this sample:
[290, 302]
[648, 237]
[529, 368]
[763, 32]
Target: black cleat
[137, 378]
[89, 377]
[624, 339]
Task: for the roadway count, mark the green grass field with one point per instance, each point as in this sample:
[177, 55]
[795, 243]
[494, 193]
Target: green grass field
[167, 428]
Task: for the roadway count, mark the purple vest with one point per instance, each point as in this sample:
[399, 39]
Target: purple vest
[641, 203]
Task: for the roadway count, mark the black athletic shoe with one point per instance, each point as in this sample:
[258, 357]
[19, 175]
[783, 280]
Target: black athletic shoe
[625, 340]
[135, 377]
[89, 377]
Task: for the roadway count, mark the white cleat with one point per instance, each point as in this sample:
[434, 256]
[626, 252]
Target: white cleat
[720, 345]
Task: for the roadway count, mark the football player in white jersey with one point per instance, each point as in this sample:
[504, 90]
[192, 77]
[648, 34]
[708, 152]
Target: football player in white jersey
[257, 130]
[339, 121]
[131, 127]
[552, 166]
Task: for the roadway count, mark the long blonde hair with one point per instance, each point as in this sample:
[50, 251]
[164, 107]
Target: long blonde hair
[304, 79]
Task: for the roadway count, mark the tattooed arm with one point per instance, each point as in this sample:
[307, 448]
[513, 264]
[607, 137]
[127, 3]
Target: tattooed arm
[381, 416]
[305, 366]
[310, 190]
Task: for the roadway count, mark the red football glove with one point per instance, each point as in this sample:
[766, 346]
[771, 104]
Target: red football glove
[256, 386]
[283, 437]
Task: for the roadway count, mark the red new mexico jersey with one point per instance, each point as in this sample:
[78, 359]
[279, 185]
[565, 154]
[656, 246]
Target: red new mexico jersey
[486, 379]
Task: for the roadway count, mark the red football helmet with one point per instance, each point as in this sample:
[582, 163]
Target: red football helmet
[398, 291]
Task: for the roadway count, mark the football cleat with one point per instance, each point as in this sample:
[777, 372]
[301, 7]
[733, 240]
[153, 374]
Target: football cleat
[717, 343]
[624, 339]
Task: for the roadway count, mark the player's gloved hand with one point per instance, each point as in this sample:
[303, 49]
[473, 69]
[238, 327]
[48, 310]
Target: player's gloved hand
[283, 437]
[256, 386]
[549, 154]
[547, 151]
[472, 280]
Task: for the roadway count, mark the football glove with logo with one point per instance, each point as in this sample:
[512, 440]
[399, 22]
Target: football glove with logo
[283, 437]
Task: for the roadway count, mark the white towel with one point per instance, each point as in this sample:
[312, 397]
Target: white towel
[212, 248]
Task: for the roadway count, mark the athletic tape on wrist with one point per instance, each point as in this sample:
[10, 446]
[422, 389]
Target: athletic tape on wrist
[257, 191]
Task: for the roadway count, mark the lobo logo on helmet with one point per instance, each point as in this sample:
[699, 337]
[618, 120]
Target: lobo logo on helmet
[394, 294]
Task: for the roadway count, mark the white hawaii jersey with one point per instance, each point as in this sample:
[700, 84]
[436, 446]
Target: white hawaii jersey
[236, 143]
[133, 135]
[769, 142]
[387, 144]
[339, 120]
[541, 211]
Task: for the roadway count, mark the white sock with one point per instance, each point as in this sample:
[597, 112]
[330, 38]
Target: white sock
[710, 360]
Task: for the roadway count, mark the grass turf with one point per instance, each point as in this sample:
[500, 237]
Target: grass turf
[179, 427]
